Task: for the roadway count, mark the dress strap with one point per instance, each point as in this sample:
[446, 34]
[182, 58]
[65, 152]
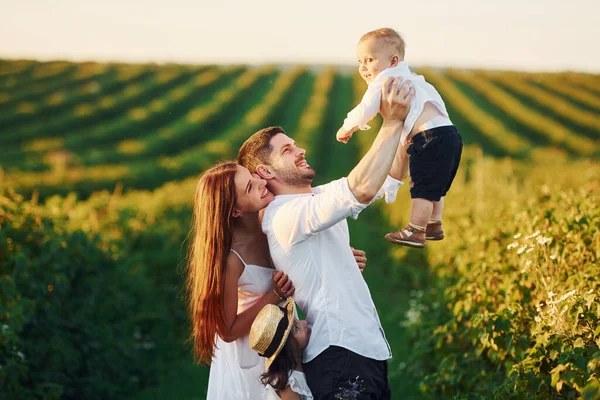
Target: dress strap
[240, 257]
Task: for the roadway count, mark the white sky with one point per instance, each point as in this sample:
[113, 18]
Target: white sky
[516, 34]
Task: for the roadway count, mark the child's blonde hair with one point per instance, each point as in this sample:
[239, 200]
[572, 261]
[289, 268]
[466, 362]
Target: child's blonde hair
[389, 36]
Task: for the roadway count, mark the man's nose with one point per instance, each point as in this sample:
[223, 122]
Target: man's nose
[300, 151]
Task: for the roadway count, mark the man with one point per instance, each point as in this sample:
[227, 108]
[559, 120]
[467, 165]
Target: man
[309, 240]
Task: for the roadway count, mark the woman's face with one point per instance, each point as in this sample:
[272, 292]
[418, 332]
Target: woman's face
[301, 332]
[251, 191]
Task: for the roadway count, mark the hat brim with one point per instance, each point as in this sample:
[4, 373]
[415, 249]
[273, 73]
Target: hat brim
[289, 306]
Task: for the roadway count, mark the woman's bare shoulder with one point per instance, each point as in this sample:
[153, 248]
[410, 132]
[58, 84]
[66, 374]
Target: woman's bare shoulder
[234, 265]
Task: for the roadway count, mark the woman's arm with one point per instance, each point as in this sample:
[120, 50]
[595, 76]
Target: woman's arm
[238, 325]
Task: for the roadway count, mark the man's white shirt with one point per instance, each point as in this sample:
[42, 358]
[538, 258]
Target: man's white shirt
[369, 106]
[309, 240]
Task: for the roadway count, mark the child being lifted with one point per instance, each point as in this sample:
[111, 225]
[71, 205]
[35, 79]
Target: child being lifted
[432, 142]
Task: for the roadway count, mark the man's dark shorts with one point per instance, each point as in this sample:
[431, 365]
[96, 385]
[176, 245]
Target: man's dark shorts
[434, 159]
[340, 372]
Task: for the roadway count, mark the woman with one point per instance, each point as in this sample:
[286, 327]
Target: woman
[231, 278]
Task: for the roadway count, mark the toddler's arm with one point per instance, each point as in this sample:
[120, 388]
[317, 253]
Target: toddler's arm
[343, 135]
[365, 111]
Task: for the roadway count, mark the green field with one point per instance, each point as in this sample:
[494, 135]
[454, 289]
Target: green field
[98, 169]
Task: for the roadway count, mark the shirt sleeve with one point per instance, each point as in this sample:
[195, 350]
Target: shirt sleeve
[366, 110]
[308, 215]
[389, 190]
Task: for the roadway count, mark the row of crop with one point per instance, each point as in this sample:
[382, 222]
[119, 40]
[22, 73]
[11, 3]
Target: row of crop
[486, 125]
[139, 120]
[29, 155]
[26, 113]
[25, 98]
[64, 100]
[587, 82]
[556, 104]
[13, 69]
[186, 128]
[85, 115]
[150, 174]
[75, 98]
[226, 144]
[556, 133]
[565, 88]
[311, 121]
[30, 73]
[14, 73]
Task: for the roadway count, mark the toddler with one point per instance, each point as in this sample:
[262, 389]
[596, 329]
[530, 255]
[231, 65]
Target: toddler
[432, 142]
[280, 337]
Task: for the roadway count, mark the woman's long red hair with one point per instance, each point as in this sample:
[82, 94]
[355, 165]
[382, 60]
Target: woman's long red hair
[209, 245]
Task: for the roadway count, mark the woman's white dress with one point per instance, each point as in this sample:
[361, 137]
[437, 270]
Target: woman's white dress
[236, 368]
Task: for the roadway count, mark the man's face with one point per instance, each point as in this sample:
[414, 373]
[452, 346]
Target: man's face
[288, 162]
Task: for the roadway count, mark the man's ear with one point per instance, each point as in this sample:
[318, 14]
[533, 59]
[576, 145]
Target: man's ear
[394, 61]
[264, 172]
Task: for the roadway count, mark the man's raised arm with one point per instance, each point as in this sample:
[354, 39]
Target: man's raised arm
[369, 174]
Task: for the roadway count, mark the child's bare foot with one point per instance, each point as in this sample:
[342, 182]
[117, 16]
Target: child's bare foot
[434, 231]
[408, 236]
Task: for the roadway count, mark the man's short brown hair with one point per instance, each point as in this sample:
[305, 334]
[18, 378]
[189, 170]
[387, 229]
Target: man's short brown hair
[389, 36]
[257, 148]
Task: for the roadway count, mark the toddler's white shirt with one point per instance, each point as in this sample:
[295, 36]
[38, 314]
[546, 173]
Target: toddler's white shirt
[370, 103]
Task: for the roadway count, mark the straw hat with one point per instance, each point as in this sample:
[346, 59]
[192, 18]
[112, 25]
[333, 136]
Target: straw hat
[270, 330]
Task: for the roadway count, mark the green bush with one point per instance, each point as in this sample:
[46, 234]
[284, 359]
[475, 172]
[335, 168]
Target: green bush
[515, 313]
[72, 318]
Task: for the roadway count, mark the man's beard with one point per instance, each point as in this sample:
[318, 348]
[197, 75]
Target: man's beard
[296, 177]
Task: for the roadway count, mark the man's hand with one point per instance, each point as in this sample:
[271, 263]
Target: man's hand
[360, 257]
[395, 102]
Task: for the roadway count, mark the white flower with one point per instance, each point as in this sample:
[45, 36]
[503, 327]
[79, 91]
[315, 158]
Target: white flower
[551, 294]
[21, 355]
[537, 319]
[553, 256]
[512, 245]
[5, 327]
[528, 262]
[544, 240]
[530, 250]
[521, 249]
[518, 235]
